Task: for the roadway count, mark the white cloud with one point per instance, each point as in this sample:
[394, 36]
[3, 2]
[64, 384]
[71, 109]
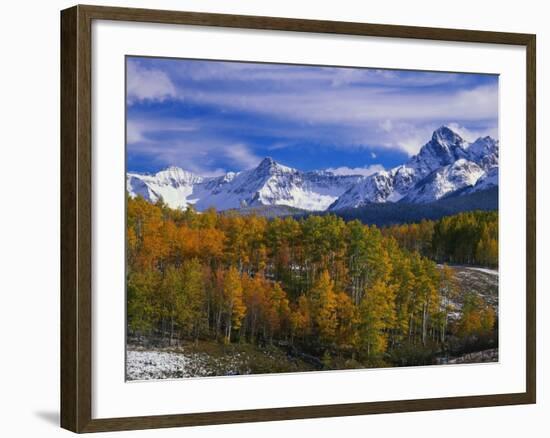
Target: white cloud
[412, 144]
[364, 171]
[471, 135]
[242, 156]
[386, 125]
[209, 172]
[372, 116]
[192, 155]
[373, 155]
[410, 136]
[289, 76]
[356, 106]
[147, 84]
[194, 151]
[339, 107]
[133, 132]
[137, 130]
[186, 143]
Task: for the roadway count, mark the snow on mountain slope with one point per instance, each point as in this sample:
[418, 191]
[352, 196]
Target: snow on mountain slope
[429, 175]
[444, 165]
[374, 188]
[268, 184]
[487, 181]
[484, 151]
[174, 185]
[447, 179]
[445, 147]
[274, 184]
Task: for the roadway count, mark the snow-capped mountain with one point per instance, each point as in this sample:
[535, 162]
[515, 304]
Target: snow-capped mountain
[484, 151]
[443, 166]
[447, 164]
[173, 184]
[447, 179]
[268, 184]
[487, 181]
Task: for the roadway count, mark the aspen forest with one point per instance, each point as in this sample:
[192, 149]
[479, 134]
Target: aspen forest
[314, 292]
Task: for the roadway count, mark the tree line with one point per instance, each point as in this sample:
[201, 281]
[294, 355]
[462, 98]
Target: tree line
[328, 286]
[465, 238]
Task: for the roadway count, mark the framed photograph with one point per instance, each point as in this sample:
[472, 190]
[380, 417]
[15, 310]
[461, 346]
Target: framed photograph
[269, 218]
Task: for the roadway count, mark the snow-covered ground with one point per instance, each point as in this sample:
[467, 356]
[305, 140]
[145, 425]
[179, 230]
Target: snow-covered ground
[486, 270]
[149, 364]
[483, 281]
[145, 365]
[490, 355]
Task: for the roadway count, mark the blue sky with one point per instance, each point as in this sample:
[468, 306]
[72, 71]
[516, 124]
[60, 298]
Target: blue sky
[210, 117]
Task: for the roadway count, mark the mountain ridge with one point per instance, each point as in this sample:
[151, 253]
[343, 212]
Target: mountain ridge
[446, 164]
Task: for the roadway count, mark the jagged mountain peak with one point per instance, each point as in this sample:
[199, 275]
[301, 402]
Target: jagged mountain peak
[445, 165]
[487, 139]
[446, 136]
[445, 180]
[485, 151]
[267, 162]
[175, 173]
[483, 145]
[269, 166]
[445, 147]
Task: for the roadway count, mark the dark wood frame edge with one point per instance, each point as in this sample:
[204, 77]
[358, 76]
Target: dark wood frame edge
[76, 168]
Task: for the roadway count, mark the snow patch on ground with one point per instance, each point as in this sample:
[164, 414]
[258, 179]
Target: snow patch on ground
[146, 365]
[490, 355]
[486, 271]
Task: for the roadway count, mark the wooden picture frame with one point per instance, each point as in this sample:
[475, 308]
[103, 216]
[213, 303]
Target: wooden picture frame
[76, 217]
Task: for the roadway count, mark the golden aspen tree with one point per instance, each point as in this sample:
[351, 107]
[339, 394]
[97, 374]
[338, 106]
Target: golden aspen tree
[346, 320]
[323, 302]
[172, 293]
[143, 309]
[404, 281]
[470, 321]
[191, 305]
[335, 288]
[233, 299]
[300, 319]
[376, 315]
